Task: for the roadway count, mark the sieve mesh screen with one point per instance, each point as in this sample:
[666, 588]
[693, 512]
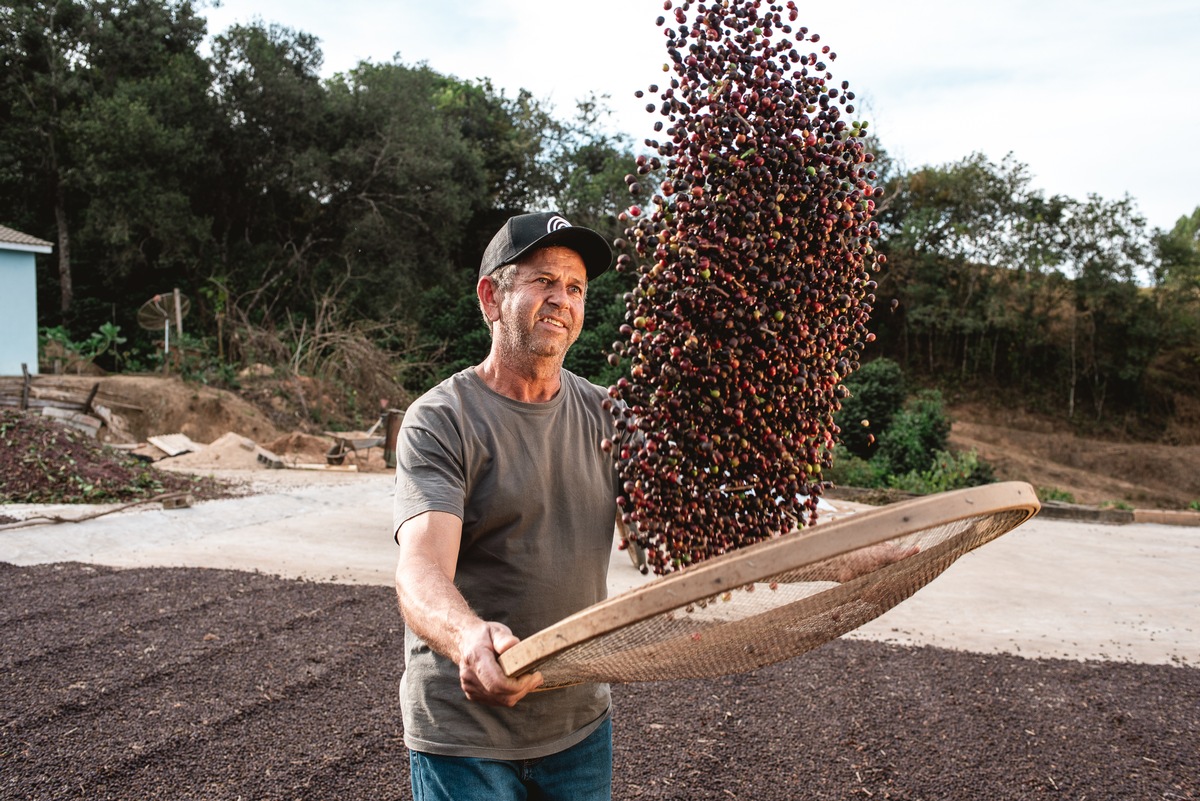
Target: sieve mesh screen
[780, 613]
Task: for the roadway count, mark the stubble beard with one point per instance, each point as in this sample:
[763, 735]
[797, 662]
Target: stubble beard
[526, 349]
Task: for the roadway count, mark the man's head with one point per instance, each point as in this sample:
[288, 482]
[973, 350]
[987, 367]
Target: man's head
[527, 243]
[535, 307]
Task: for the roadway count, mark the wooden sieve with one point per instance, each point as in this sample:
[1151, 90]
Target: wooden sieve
[775, 599]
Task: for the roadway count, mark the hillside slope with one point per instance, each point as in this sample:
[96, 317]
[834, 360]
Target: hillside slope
[1026, 447]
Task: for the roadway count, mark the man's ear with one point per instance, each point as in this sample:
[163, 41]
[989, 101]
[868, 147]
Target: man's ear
[489, 299]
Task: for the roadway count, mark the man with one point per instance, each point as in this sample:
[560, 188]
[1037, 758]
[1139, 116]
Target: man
[504, 516]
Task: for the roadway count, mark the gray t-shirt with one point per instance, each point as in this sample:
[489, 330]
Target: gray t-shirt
[536, 496]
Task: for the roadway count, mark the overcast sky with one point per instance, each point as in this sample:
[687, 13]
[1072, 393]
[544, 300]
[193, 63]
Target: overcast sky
[1096, 96]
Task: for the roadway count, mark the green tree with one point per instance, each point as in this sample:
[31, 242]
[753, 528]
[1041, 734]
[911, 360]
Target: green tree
[1173, 375]
[915, 435]
[1112, 338]
[106, 130]
[589, 166]
[998, 283]
[141, 144]
[407, 185]
[1179, 254]
[42, 45]
[508, 139]
[952, 230]
[267, 194]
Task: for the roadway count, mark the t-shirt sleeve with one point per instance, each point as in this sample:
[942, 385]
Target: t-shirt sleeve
[429, 475]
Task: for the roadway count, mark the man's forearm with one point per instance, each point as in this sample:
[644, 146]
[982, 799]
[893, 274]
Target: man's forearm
[436, 611]
[433, 607]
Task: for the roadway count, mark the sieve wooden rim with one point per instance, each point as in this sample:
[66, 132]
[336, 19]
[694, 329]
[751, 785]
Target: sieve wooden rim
[762, 560]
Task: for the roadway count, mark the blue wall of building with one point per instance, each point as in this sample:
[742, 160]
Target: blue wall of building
[18, 311]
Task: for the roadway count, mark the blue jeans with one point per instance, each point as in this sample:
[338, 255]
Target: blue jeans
[583, 772]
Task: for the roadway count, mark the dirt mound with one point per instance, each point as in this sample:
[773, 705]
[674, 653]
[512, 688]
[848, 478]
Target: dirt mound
[152, 405]
[230, 451]
[299, 447]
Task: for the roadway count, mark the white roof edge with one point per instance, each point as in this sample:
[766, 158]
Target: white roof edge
[27, 248]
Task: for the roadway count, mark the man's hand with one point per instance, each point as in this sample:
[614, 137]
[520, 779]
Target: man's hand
[479, 671]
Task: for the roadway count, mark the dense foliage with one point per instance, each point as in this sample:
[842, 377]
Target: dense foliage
[892, 439]
[284, 206]
[1070, 302]
[310, 219]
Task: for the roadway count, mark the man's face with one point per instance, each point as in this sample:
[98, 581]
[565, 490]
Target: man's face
[542, 315]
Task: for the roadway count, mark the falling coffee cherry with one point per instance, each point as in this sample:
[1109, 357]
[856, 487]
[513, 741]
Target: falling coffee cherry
[754, 265]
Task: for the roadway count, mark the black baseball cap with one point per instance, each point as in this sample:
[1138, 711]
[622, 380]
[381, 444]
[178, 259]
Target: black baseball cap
[526, 233]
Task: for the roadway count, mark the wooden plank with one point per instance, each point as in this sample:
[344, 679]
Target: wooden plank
[39, 403]
[49, 387]
[70, 416]
[329, 468]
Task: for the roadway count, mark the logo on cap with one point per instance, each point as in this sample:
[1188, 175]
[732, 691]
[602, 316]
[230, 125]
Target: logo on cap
[556, 223]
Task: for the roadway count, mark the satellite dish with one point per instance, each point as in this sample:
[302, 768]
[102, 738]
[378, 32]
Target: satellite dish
[160, 311]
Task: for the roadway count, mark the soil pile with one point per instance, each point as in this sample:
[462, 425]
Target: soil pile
[42, 461]
[151, 405]
[205, 684]
[300, 447]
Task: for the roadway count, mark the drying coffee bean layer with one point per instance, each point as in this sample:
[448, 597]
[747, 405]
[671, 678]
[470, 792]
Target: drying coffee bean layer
[217, 685]
[754, 285]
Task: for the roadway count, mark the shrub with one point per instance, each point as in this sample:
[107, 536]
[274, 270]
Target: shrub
[56, 342]
[915, 435]
[849, 470]
[950, 470]
[1054, 494]
[876, 395]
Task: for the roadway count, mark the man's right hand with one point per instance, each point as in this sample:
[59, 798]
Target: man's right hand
[479, 671]
[435, 609]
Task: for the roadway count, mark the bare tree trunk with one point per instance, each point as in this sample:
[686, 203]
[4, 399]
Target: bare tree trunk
[1071, 400]
[1101, 389]
[66, 288]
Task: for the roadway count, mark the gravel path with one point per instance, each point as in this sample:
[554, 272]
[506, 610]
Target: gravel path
[215, 684]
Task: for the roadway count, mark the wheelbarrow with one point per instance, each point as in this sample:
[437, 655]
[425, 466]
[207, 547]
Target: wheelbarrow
[345, 442]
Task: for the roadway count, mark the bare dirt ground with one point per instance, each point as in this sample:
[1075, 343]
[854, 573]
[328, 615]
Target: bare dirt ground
[209, 684]
[1020, 445]
[152, 405]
